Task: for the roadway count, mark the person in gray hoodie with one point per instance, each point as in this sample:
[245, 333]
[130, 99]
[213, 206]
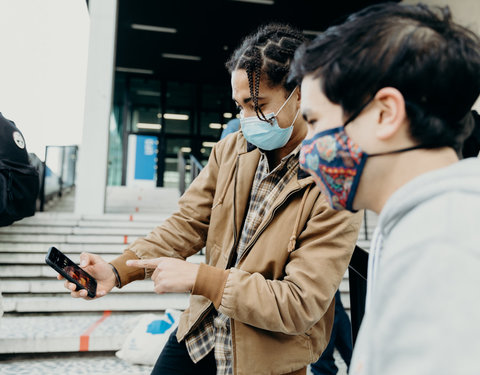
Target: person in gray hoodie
[387, 97]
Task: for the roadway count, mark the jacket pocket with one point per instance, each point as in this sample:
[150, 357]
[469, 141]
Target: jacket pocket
[308, 342]
[264, 352]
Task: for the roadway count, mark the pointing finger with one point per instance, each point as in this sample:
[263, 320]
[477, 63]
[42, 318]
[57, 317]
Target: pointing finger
[144, 263]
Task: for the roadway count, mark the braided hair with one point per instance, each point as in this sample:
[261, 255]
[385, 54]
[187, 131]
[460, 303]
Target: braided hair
[267, 54]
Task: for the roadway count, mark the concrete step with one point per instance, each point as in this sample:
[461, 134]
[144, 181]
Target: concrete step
[120, 300]
[43, 286]
[39, 285]
[123, 223]
[72, 248]
[90, 231]
[43, 334]
[155, 218]
[39, 258]
[60, 238]
[18, 247]
[84, 227]
[40, 217]
[139, 209]
[72, 222]
[116, 224]
[137, 232]
[114, 302]
[122, 199]
[42, 270]
[24, 229]
[27, 271]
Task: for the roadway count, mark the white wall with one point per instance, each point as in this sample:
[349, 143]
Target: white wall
[44, 47]
[464, 12]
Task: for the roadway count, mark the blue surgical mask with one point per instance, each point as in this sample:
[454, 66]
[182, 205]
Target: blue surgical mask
[267, 135]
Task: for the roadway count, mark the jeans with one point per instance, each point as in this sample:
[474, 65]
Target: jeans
[341, 339]
[175, 360]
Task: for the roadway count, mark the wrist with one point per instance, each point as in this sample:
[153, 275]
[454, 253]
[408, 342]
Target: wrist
[116, 276]
[210, 282]
[193, 277]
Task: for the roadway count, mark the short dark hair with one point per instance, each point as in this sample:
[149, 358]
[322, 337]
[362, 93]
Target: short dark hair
[267, 54]
[432, 61]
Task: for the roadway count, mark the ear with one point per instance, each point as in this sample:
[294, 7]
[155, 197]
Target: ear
[298, 95]
[392, 116]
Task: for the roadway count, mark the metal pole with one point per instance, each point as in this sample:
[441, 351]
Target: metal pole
[74, 176]
[181, 172]
[62, 170]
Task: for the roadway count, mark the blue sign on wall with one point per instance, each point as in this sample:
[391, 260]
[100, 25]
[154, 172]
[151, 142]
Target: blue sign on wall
[145, 155]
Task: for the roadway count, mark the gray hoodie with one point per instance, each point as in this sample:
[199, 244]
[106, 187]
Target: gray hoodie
[423, 302]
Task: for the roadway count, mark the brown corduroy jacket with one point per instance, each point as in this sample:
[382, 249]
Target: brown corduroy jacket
[280, 295]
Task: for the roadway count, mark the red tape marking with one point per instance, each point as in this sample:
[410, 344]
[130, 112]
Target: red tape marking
[85, 336]
[125, 240]
[136, 209]
[131, 218]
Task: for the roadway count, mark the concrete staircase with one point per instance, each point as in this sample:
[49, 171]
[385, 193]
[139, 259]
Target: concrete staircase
[41, 317]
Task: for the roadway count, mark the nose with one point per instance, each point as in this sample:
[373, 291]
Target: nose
[310, 133]
[248, 112]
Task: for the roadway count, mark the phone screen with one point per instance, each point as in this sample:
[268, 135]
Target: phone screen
[68, 269]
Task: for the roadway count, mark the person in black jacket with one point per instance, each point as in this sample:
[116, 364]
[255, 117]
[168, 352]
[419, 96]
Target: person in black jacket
[19, 182]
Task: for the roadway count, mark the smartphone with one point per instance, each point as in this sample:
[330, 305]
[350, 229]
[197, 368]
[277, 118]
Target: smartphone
[69, 270]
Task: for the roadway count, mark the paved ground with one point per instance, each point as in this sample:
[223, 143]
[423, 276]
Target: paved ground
[83, 364]
[77, 363]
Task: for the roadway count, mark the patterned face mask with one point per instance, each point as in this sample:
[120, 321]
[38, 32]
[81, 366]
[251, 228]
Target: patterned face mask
[336, 164]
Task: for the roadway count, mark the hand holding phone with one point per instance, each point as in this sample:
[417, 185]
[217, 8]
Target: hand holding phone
[69, 270]
[97, 267]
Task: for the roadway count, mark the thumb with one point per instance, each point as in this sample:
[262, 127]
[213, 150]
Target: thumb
[87, 259]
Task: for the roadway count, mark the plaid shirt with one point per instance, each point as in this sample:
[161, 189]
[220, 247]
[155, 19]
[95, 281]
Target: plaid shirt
[214, 331]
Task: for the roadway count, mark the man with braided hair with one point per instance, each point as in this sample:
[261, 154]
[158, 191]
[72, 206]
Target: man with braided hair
[275, 251]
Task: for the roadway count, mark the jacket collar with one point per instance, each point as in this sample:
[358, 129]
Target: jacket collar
[301, 174]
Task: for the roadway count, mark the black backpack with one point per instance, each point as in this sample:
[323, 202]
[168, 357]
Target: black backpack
[19, 181]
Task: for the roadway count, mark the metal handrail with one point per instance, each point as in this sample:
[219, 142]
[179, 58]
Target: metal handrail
[181, 166]
[58, 173]
[195, 167]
